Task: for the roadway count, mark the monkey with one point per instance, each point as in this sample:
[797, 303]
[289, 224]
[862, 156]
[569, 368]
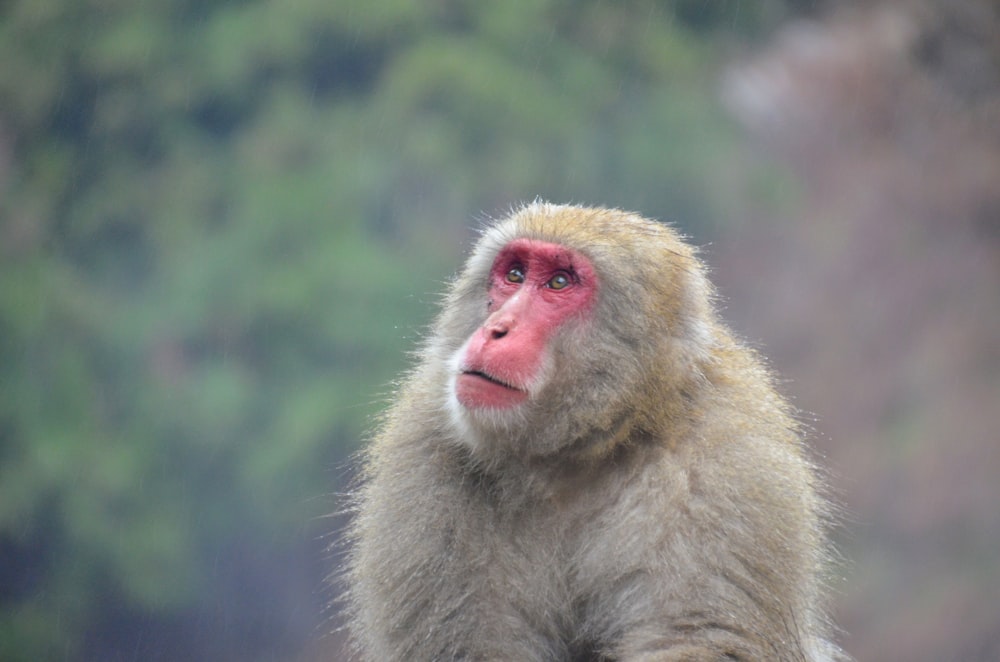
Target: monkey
[585, 464]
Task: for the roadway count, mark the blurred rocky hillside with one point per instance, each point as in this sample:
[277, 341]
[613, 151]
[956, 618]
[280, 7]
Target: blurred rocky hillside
[878, 288]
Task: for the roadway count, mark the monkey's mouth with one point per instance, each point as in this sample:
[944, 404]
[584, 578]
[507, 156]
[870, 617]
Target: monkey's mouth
[490, 378]
[476, 389]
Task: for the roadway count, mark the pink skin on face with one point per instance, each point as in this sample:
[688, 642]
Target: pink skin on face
[535, 287]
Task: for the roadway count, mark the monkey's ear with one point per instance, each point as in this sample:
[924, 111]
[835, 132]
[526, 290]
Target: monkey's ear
[698, 315]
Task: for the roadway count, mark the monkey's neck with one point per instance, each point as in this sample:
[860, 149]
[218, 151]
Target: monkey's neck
[516, 481]
[600, 445]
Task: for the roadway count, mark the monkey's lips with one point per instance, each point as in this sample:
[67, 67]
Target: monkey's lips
[477, 389]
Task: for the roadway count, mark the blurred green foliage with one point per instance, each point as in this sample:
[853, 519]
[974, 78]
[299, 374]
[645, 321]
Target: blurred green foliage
[221, 225]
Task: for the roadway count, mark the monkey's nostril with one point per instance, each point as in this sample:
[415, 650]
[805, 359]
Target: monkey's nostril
[498, 327]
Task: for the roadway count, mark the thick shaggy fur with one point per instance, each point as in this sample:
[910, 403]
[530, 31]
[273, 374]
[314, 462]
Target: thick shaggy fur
[651, 501]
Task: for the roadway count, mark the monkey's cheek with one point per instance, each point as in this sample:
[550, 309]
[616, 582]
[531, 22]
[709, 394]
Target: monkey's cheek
[475, 392]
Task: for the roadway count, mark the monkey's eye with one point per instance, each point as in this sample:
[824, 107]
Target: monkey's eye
[559, 281]
[515, 275]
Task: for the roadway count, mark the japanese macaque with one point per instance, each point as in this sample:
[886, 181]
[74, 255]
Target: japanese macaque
[585, 465]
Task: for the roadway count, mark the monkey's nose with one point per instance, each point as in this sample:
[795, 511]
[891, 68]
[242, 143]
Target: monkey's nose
[498, 332]
[498, 327]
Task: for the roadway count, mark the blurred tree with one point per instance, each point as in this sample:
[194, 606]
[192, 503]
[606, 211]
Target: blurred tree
[213, 216]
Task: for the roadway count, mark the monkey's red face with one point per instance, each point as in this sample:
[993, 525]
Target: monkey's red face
[535, 287]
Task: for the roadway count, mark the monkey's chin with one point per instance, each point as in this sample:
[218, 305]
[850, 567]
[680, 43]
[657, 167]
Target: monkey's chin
[475, 391]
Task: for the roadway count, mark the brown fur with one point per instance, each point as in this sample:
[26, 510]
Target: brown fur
[652, 503]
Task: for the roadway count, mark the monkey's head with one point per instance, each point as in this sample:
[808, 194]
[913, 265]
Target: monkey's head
[542, 349]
